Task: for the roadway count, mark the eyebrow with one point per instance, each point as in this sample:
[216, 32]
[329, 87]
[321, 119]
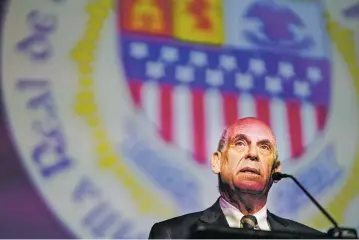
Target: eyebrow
[245, 137]
[241, 136]
[265, 141]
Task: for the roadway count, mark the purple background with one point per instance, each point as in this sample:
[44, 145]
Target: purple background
[23, 213]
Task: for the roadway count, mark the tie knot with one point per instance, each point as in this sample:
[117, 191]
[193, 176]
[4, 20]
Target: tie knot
[249, 222]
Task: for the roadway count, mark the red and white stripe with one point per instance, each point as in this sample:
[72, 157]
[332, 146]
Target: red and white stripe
[194, 119]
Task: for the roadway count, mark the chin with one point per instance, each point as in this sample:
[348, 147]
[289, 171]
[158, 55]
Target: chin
[249, 185]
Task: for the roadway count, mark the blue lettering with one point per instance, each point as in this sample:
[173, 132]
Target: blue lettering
[94, 214]
[107, 222]
[53, 142]
[27, 83]
[102, 219]
[59, 163]
[85, 189]
[50, 153]
[123, 231]
[44, 101]
[37, 45]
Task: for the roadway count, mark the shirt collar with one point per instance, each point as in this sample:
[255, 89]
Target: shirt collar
[234, 216]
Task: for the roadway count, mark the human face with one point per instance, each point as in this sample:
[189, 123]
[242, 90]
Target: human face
[247, 161]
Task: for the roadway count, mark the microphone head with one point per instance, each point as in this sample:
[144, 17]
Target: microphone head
[277, 176]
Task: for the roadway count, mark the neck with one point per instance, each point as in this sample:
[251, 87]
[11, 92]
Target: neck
[247, 203]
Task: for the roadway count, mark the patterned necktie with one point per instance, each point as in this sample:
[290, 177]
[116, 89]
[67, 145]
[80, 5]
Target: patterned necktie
[249, 222]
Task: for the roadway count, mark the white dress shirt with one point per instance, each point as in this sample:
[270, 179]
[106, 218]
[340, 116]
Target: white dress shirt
[234, 216]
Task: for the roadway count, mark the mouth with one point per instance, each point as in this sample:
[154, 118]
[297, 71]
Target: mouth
[250, 170]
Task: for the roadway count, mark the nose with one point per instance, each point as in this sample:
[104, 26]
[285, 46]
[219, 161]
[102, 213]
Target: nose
[252, 153]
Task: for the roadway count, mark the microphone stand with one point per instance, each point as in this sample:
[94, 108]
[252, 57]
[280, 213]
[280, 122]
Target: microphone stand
[336, 232]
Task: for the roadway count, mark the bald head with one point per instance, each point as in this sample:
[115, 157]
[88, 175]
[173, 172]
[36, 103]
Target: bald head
[248, 125]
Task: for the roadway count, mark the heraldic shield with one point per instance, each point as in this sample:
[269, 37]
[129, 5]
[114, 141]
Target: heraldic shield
[194, 66]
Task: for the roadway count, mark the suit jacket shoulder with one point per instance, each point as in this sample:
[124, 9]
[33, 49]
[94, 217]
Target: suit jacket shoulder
[177, 227]
[182, 226]
[289, 224]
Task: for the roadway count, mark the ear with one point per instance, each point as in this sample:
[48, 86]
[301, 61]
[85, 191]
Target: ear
[276, 168]
[216, 162]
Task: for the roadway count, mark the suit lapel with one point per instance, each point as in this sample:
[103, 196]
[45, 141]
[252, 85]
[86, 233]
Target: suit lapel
[214, 215]
[275, 223]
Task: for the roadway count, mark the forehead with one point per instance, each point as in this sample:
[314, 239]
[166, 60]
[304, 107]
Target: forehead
[253, 130]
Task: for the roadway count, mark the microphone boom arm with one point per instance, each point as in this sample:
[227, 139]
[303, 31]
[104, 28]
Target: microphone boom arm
[314, 201]
[336, 232]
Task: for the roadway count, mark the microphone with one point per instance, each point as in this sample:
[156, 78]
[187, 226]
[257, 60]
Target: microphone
[336, 232]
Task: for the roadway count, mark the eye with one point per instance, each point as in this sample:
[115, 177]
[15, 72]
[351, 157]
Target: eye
[265, 147]
[240, 143]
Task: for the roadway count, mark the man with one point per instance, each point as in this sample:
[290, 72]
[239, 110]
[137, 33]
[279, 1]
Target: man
[244, 161]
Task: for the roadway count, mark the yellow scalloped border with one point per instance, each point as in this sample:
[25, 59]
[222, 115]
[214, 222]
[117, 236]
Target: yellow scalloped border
[343, 39]
[85, 106]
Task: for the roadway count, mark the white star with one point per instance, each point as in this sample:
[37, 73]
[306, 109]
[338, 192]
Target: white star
[286, 69]
[244, 81]
[257, 66]
[314, 74]
[198, 58]
[185, 73]
[214, 77]
[273, 85]
[155, 70]
[169, 54]
[228, 62]
[301, 89]
[138, 50]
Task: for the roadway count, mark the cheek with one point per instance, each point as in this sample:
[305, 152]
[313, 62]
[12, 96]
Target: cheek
[232, 163]
[266, 164]
[234, 157]
[229, 166]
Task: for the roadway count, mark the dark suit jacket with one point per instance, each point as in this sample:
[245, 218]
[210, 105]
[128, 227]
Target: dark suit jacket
[180, 227]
